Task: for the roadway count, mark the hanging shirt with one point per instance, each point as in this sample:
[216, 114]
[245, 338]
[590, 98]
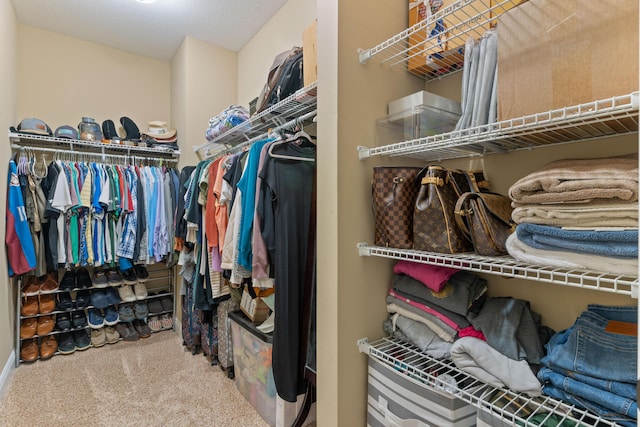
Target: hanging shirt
[20, 250]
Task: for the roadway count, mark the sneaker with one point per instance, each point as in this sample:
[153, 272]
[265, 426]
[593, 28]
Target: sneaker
[167, 321]
[155, 324]
[68, 281]
[48, 347]
[167, 303]
[82, 339]
[141, 273]
[100, 279]
[66, 343]
[31, 287]
[141, 328]
[28, 328]
[98, 337]
[65, 303]
[125, 313]
[140, 290]
[83, 299]
[129, 276]
[96, 320]
[111, 316]
[155, 306]
[114, 279]
[49, 285]
[112, 335]
[29, 306]
[99, 299]
[78, 319]
[46, 303]
[63, 322]
[83, 278]
[45, 325]
[127, 332]
[113, 297]
[126, 293]
[140, 310]
[29, 350]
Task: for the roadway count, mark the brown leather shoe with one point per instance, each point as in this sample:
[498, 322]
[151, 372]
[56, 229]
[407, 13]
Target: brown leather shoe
[50, 285]
[45, 325]
[47, 303]
[29, 306]
[28, 328]
[29, 350]
[48, 347]
[31, 286]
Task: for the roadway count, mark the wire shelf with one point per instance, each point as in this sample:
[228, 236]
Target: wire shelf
[506, 266]
[48, 143]
[299, 103]
[598, 119]
[510, 407]
[430, 54]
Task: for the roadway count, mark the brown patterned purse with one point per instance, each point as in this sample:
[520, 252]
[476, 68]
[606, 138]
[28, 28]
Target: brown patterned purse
[486, 219]
[394, 190]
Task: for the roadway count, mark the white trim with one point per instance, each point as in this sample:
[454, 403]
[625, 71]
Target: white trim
[177, 326]
[7, 372]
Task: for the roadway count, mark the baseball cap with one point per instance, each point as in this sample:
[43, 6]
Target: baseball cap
[34, 126]
[66, 131]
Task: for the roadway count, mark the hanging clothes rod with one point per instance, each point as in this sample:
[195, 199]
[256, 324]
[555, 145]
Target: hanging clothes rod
[102, 157]
[288, 125]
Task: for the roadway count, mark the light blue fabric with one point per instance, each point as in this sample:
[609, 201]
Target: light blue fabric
[608, 243]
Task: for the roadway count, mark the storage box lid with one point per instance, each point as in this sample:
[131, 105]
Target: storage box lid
[424, 99]
[241, 319]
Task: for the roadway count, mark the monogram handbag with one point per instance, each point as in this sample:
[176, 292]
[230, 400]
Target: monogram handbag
[486, 219]
[434, 223]
[393, 191]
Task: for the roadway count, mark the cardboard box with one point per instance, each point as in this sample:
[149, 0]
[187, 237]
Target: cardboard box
[310, 53]
[425, 55]
[558, 53]
[255, 309]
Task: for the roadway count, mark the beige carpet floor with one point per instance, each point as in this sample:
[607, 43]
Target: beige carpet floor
[150, 382]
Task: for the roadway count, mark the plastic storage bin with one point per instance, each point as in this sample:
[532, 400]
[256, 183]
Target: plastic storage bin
[252, 365]
[418, 115]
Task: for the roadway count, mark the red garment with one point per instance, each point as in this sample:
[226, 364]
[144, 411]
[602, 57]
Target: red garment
[433, 277]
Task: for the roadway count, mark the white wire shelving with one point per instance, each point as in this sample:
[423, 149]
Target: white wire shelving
[506, 266]
[60, 145]
[508, 406]
[432, 54]
[292, 107]
[598, 119]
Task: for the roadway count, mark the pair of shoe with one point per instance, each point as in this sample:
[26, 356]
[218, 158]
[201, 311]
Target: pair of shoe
[29, 351]
[167, 321]
[155, 324]
[98, 318]
[102, 336]
[31, 326]
[100, 279]
[126, 312]
[140, 310]
[160, 305]
[69, 342]
[129, 294]
[35, 286]
[37, 304]
[131, 131]
[67, 321]
[102, 298]
[127, 331]
[76, 279]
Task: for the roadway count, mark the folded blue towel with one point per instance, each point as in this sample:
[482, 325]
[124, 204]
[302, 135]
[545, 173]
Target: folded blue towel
[622, 243]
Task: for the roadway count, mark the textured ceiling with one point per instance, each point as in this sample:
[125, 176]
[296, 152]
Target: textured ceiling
[155, 29]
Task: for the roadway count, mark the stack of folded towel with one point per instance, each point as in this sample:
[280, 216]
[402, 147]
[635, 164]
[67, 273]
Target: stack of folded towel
[578, 214]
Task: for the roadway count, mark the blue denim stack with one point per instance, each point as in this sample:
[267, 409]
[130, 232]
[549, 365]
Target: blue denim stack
[593, 368]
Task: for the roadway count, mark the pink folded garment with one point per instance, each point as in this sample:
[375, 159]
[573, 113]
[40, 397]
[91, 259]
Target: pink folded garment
[433, 277]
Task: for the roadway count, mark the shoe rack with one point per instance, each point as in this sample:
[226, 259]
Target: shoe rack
[160, 285]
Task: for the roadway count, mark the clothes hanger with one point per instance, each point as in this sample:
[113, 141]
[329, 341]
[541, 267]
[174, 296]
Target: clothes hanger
[286, 141]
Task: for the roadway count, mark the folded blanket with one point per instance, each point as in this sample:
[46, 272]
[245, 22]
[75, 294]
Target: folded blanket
[433, 276]
[444, 330]
[608, 243]
[570, 260]
[477, 358]
[422, 337]
[587, 215]
[463, 292]
[580, 180]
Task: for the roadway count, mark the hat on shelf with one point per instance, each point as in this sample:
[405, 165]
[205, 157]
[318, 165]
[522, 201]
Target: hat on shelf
[67, 132]
[34, 126]
[159, 131]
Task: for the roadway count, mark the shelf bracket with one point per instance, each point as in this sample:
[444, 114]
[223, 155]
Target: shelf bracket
[364, 55]
[363, 345]
[364, 249]
[634, 291]
[635, 100]
[363, 152]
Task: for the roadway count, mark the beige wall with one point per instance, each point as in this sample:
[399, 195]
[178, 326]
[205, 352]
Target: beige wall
[8, 35]
[203, 83]
[62, 79]
[282, 32]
